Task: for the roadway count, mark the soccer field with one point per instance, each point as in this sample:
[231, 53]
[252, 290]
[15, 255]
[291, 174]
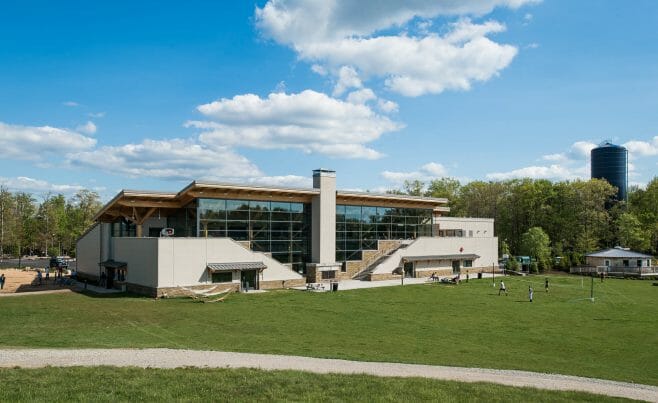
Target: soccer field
[562, 331]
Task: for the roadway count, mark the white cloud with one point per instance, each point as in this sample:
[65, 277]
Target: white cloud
[97, 115]
[88, 128]
[361, 96]
[31, 185]
[555, 171]
[387, 106]
[637, 148]
[72, 104]
[310, 121]
[40, 143]
[174, 159]
[575, 162]
[317, 69]
[295, 21]
[579, 151]
[281, 181]
[427, 172]
[434, 169]
[533, 45]
[342, 33]
[347, 78]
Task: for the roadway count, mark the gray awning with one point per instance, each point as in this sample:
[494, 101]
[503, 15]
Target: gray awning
[217, 267]
[461, 256]
[113, 264]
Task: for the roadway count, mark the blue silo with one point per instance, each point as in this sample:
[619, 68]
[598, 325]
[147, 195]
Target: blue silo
[610, 162]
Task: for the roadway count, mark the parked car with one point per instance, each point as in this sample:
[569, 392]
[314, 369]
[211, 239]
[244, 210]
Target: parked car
[58, 263]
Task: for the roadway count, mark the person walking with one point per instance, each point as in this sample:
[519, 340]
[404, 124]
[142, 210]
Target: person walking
[530, 292]
[502, 288]
[2, 281]
[546, 284]
[39, 276]
[47, 273]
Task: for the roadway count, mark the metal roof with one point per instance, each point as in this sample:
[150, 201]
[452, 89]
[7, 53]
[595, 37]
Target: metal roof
[460, 256]
[619, 253]
[217, 267]
[113, 264]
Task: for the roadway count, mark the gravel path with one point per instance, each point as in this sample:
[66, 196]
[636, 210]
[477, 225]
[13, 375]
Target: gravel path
[170, 358]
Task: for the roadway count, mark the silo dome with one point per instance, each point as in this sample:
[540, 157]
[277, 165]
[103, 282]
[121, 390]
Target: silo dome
[610, 162]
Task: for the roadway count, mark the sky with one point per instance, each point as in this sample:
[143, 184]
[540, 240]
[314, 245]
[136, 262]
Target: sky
[153, 95]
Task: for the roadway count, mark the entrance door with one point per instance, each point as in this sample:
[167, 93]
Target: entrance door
[110, 272]
[455, 267]
[409, 269]
[249, 279]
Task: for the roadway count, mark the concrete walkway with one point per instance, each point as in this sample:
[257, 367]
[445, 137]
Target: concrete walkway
[359, 284]
[169, 358]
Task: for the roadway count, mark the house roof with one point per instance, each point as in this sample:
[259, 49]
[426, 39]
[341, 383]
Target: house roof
[619, 253]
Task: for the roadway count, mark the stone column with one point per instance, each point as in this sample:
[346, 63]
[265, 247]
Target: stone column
[323, 221]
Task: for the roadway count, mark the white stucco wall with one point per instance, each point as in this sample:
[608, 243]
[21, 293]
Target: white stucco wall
[87, 252]
[481, 227]
[486, 248]
[141, 256]
[183, 261]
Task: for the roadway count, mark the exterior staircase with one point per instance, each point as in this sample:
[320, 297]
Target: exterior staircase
[375, 260]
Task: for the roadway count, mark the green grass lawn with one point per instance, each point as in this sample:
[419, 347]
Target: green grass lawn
[132, 384]
[616, 337]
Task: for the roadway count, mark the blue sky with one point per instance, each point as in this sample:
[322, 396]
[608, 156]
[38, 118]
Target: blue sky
[114, 95]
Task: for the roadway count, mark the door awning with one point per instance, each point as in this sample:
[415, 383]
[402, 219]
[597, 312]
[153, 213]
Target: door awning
[461, 256]
[219, 267]
[113, 264]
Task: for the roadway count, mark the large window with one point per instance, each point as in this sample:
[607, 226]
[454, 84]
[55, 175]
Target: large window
[184, 221]
[123, 228]
[358, 228]
[279, 228]
[222, 277]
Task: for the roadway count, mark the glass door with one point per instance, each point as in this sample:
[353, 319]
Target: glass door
[455, 267]
[249, 279]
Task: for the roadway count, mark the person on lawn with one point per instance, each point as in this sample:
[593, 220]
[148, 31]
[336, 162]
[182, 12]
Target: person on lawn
[502, 288]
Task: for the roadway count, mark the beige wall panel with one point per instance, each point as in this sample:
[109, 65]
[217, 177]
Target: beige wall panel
[141, 256]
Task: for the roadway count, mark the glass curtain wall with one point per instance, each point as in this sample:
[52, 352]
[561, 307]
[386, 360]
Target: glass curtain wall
[184, 221]
[279, 228]
[358, 228]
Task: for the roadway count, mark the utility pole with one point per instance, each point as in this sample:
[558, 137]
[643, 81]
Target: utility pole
[591, 291]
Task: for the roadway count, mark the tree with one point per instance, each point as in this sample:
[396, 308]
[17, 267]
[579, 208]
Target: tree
[632, 234]
[536, 244]
[6, 217]
[444, 188]
[414, 188]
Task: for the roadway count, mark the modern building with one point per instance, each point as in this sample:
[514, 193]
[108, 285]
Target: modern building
[253, 237]
[610, 162]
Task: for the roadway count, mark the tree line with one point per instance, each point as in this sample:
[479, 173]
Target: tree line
[560, 219]
[47, 227]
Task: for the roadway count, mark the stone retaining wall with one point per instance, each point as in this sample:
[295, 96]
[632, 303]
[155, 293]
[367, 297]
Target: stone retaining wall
[280, 284]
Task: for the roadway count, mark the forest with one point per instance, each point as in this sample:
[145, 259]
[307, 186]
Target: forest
[546, 219]
[50, 226]
[533, 217]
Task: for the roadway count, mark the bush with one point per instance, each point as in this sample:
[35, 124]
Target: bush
[534, 268]
[512, 264]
